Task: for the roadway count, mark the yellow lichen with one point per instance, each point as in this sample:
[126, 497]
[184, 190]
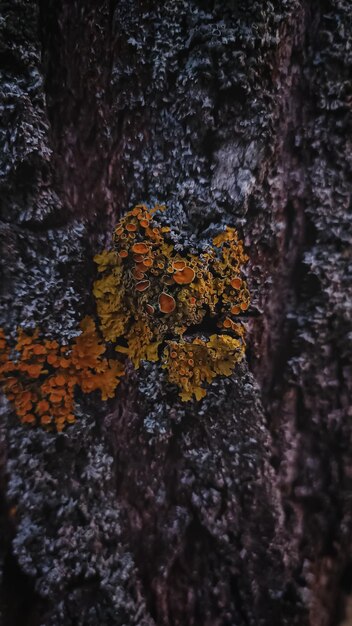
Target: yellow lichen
[110, 296]
[148, 291]
[141, 345]
[190, 364]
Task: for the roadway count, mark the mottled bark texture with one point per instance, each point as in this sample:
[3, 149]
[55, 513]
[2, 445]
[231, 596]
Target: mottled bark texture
[236, 510]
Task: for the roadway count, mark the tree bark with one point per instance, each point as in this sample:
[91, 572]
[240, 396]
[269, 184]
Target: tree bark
[233, 511]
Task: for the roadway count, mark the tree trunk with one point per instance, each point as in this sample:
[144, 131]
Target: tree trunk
[231, 511]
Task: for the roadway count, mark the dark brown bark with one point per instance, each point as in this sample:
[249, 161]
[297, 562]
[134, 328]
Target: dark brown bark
[235, 510]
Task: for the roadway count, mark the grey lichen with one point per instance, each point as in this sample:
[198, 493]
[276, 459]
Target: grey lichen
[67, 539]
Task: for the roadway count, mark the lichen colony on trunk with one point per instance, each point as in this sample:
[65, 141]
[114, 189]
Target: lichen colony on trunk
[233, 510]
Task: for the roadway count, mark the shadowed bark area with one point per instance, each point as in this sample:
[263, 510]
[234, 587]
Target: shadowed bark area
[233, 511]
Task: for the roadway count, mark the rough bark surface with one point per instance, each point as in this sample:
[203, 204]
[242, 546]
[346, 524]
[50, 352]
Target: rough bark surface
[234, 511]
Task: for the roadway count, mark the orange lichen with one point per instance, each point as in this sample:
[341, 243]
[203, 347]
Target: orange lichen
[41, 377]
[167, 303]
[140, 248]
[184, 276]
[179, 265]
[236, 283]
[151, 291]
[143, 285]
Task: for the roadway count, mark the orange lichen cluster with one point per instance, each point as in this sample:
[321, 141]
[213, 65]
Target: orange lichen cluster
[151, 301]
[40, 380]
[148, 291]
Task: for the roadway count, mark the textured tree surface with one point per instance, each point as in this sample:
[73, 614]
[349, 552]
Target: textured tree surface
[236, 510]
